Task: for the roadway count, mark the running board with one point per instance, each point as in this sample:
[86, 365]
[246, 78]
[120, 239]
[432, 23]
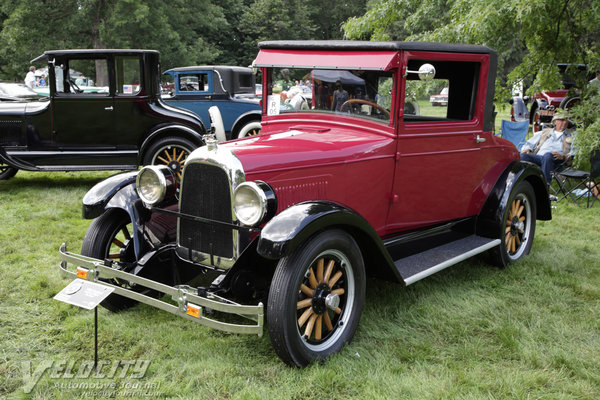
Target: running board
[421, 265]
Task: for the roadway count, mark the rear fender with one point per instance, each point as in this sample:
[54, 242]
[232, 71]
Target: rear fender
[491, 215]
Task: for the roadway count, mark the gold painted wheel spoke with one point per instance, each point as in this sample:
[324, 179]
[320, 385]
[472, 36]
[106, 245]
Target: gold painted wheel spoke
[307, 291]
[518, 240]
[114, 256]
[180, 155]
[320, 264]
[522, 218]
[339, 291]
[162, 159]
[335, 278]
[312, 279]
[310, 325]
[328, 271]
[304, 303]
[338, 311]
[304, 317]
[319, 327]
[507, 229]
[327, 321]
[520, 211]
[118, 243]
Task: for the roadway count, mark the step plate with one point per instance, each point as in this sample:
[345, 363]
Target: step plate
[421, 265]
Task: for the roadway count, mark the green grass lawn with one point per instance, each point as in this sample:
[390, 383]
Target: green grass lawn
[531, 331]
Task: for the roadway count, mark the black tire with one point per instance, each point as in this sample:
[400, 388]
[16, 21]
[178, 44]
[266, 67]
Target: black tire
[569, 102]
[109, 236]
[170, 151]
[7, 172]
[305, 328]
[517, 228]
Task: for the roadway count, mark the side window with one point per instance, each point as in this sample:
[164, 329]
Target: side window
[129, 75]
[193, 82]
[450, 96]
[87, 76]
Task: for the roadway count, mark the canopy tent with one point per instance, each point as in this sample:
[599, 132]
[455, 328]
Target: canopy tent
[332, 75]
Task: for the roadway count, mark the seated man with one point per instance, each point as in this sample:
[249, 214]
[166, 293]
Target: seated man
[550, 147]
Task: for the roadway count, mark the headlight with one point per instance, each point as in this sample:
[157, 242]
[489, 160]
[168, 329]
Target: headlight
[154, 182]
[253, 202]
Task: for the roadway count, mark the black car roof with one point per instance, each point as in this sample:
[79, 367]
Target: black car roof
[374, 46]
[87, 52]
[211, 67]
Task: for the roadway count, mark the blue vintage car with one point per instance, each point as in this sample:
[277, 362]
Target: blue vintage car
[229, 88]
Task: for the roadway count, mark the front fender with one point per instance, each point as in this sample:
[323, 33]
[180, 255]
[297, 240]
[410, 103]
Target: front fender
[295, 225]
[490, 216]
[96, 199]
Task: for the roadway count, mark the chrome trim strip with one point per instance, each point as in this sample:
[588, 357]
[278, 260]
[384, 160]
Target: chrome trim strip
[183, 295]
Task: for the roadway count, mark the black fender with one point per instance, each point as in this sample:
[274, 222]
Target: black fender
[293, 226]
[168, 130]
[254, 115]
[490, 217]
[118, 191]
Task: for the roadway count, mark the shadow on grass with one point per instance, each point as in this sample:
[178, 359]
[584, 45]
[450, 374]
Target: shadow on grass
[52, 180]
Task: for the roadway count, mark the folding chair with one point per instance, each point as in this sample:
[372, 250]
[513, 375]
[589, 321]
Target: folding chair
[578, 185]
[516, 132]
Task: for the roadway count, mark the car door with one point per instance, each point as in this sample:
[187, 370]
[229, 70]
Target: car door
[82, 106]
[441, 152]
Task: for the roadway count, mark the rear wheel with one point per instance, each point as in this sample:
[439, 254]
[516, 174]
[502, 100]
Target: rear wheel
[250, 129]
[7, 172]
[109, 236]
[517, 227]
[316, 298]
[169, 151]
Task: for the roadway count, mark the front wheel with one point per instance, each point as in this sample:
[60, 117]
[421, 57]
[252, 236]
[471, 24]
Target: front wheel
[109, 236]
[250, 129]
[517, 227]
[316, 298]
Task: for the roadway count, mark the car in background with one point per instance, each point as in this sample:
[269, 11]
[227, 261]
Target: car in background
[230, 88]
[439, 99]
[17, 92]
[116, 129]
[545, 103]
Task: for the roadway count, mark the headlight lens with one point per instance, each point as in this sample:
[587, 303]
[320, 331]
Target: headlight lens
[152, 183]
[249, 203]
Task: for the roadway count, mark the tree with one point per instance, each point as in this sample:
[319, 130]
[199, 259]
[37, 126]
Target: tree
[530, 37]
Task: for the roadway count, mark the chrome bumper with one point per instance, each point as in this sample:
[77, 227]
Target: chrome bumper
[190, 305]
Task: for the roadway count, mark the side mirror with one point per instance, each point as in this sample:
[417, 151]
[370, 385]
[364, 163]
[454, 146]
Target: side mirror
[426, 72]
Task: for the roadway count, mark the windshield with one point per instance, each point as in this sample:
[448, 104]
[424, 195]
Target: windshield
[363, 94]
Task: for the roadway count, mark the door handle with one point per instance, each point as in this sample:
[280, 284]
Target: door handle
[479, 139]
[108, 108]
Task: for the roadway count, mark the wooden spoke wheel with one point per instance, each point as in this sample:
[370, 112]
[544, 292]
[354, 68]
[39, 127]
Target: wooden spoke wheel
[323, 297]
[110, 236]
[316, 298]
[367, 102]
[250, 129]
[170, 151]
[518, 225]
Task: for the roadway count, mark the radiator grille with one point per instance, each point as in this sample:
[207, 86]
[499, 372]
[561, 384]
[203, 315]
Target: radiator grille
[206, 194]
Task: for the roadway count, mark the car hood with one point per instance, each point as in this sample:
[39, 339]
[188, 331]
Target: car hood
[302, 147]
[16, 108]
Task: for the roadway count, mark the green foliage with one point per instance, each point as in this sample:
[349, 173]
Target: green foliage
[587, 140]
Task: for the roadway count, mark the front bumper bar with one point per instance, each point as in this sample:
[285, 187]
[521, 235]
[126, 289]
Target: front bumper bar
[190, 305]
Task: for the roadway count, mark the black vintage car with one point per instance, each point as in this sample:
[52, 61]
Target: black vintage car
[104, 112]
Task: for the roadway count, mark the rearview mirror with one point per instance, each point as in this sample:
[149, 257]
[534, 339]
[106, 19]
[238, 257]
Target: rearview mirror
[426, 72]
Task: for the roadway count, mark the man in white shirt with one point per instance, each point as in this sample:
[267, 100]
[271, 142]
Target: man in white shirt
[30, 77]
[550, 147]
